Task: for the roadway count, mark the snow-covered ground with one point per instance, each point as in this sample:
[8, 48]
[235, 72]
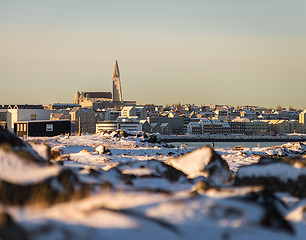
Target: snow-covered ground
[134, 189]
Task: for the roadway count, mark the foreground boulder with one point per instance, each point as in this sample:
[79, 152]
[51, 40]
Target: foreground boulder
[9, 229]
[152, 168]
[60, 188]
[204, 162]
[9, 142]
[28, 178]
[276, 174]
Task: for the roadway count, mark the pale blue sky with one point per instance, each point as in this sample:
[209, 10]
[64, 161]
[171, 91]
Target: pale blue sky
[238, 52]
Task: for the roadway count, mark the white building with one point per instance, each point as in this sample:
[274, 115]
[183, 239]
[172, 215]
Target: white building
[302, 117]
[132, 111]
[302, 121]
[142, 126]
[18, 113]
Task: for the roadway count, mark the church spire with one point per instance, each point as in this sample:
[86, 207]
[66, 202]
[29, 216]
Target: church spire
[116, 72]
[117, 94]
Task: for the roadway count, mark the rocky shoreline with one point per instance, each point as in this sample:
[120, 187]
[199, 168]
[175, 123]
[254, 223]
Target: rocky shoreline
[118, 186]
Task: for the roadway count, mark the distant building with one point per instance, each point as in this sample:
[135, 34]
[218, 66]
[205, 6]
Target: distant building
[249, 113]
[256, 127]
[133, 111]
[302, 117]
[174, 125]
[238, 125]
[222, 115]
[194, 128]
[117, 93]
[86, 118]
[140, 125]
[206, 126]
[104, 99]
[63, 106]
[215, 127]
[288, 115]
[284, 126]
[3, 116]
[79, 98]
[17, 113]
[42, 128]
[108, 114]
[302, 121]
[59, 116]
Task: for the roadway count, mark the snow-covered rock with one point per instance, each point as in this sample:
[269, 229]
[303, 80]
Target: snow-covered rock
[101, 149]
[276, 174]
[152, 168]
[295, 149]
[27, 178]
[204, 162]
[141, 192]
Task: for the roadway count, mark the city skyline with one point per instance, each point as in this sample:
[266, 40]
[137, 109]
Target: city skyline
[201, 52]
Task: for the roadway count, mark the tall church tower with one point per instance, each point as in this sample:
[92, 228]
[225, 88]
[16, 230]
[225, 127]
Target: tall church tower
[117, 94]
[77, 98]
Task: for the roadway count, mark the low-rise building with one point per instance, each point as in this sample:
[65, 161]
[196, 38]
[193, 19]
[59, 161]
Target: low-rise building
[63, 106]
[284, 126]
[108, 114]
[205, 126]
[175, 125]
[249, 113]
[238, 125]
[17, 113]
[133, 111]
[84, 118]
[256, 127]
[141, 125]
[302, 117]
[42, 128]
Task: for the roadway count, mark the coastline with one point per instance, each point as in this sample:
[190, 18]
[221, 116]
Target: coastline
[230, 138]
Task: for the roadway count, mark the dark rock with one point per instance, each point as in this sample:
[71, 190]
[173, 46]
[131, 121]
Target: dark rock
[58, 185]
[64, 187]
[276, 174]
[9, 138]
[9, 229]
[152, 139]
[272, 217]
[201, 186]
[156, 169]
[11, 143]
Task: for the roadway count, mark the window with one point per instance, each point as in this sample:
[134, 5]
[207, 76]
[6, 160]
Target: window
[33, 116]
[49, 127]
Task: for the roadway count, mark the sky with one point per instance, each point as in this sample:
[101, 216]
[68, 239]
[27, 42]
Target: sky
[236, 52]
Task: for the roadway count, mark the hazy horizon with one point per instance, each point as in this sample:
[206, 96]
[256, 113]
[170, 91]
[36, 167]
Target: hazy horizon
[203, 52]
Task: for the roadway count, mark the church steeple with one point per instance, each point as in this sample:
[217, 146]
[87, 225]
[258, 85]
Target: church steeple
[116, 73]
[117, 94]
